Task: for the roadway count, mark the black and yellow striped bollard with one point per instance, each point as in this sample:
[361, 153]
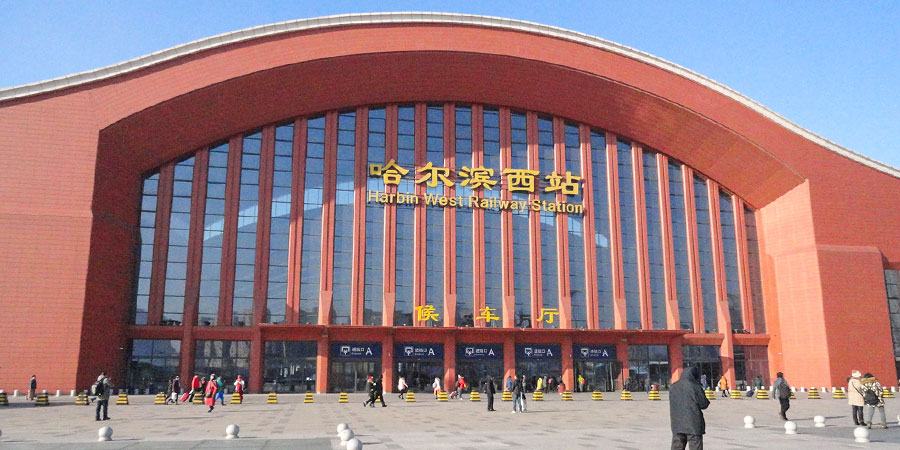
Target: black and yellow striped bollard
[597, 396]
[273, 399]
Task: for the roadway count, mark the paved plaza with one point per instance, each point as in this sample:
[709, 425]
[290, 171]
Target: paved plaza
[426, 424]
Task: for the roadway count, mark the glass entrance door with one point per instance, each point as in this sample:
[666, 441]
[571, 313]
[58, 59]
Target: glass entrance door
[476, 372]
[350, 376]
[419, 374]
[598, 375]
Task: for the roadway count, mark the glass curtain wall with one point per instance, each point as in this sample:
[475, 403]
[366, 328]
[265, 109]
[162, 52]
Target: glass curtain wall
[248, 217]
[520, 225]
[374, 271]
[648, 365]
[575, 223]
[759, 310]
[680, 246]
[892, 287]
[549, 280]
[751, 361]
[213, 227]
[342, 277]
[629, 235]
[434, 220]
[704, 246]
[465, 298]
[145, 261]
[311, 255]
[601, 231]
[405, 227]
[226, 359]
[493, 243]
[655, 255]
[280, 227]
[179, 231]
[729, 249]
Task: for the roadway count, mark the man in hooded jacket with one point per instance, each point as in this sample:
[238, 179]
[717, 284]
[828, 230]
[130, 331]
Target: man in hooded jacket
[686, 402]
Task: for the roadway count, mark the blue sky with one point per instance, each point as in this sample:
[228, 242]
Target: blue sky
[832, 67]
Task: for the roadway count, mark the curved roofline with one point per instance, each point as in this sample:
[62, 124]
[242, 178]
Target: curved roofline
[247, 34]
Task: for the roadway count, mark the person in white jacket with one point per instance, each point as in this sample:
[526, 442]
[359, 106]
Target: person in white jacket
[402, 387]
[436, 386]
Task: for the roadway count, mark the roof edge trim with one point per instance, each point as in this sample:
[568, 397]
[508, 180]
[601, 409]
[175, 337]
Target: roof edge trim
[247, 34]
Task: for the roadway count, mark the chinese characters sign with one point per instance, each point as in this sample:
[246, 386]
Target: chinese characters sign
[356, 350]
[427, 313]
[537, 351]
[477, 179]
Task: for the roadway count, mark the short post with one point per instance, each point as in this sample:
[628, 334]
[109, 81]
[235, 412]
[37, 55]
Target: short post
[820, 421]
[354, 444]
[231, 431]
[15, 393]
[749, 422]
[57, 392]
[72, 393]
[861, 435]
[342, 427]
[346, 435]
[790, 427]
[105, 434]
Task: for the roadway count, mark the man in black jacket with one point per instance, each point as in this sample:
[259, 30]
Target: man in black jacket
[686, 402]
[490, 390]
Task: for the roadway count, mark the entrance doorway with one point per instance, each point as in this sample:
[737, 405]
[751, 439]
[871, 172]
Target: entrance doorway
[419, 374]
[477, 372]
[350, 376]
[599, 375]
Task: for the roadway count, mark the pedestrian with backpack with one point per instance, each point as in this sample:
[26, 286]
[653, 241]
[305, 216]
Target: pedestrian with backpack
[873, 396]
[220, 390]
[101, 389]
[783, 394]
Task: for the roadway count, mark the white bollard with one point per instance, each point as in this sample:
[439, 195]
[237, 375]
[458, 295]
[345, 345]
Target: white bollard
[749, 422]
[861, 434]
[105, 434]
[57, 392]
[231, 431]
[898, 419]
[790, 427]
[16, 393]
[342, 427]
[72, 393]
[820, 421]
[354, 444]
[346, 435]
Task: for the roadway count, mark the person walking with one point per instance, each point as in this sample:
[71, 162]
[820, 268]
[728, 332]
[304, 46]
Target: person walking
[239, 386]
[32, 388]
[509, 384]
[723, 386]
[855, 397]
[220, 390]
[523, 405]
[490, 390]
[210, 393]
[370, 388]
[518, 390]
[378, 387]
[460, 387]
[102, 389]
[436, 386]
[195, 388]
[174, 388]
[783, 394]
[402, 387]
[540, 385]
[703, 382]
[686, 404]
[873, 396]
[580, 383]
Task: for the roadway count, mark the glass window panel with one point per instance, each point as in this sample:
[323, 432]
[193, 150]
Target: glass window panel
[654, 241]
[312, 221]
[680, 246]
[704, 246]
[520, 224]
[629, 235]
[730, 252]
[575, 223]
[549, 284]
[601, 230]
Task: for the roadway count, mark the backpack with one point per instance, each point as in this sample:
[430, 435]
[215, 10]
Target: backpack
[97, 388]
[870, 397]
[783, 391]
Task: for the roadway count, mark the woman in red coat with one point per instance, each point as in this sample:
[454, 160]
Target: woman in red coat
[210, 392]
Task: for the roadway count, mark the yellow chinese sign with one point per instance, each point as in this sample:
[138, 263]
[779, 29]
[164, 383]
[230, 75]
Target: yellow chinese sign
[550, 313]
[427, 313]
[487, 315]
[519, 180]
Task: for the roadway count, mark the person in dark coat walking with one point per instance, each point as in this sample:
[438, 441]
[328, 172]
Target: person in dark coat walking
[378, 387]
[686, 402]
[490, 390]
[783, 394]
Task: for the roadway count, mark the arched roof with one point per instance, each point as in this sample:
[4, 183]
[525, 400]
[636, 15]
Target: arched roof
[247, 34]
